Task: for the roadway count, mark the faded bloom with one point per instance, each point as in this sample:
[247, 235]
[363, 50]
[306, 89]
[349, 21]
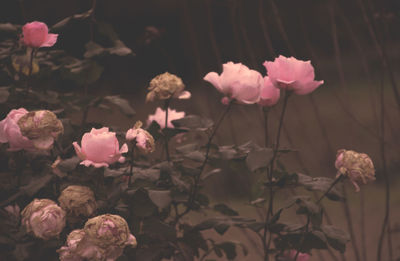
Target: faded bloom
[36, 34]
[10, 131]
[358, 167]
[109, 230]
[292, 75]
[41, 127]
[69, 252]
[237, 82]
[144, 140]
[100, 147]
[44, 218]
[269, 94]
[77, 201]
[166, 86]
[159, 117]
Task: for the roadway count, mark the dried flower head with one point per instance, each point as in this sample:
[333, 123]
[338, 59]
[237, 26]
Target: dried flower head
[358, 167]
[144, 140]
[166, 86]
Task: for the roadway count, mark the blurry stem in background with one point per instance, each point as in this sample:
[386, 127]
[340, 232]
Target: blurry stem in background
[166, 138]
[350, 224]
[194, 189]
[362, 224]
[92, 20]
[270, 172]
[385, 224]
[266, 114]
[132, 159]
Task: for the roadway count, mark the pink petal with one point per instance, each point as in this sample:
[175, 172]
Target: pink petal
[88, 163]
[308, 88]
[51, 39]
[78, 150]
[214, 79]
[184, 95]
[124, 148]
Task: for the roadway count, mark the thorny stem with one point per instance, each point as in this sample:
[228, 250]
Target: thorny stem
[266, 244]
[193, 193]
[166, 106]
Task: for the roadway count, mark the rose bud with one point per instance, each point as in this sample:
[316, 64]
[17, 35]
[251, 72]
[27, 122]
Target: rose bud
[144, 140]
[109, 230]
[100, 147]
[11, 133]
[41, 127]
[166, 86]
[159, 117]
[237, 82]
[292, 75]
[36, 34]
[358, 167]
[269, 94]
[77, 201]
[44, 218]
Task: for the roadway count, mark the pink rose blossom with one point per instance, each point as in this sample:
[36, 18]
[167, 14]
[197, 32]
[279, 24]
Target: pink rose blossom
[11, 133]
[237, 82]
[291, 255]
[159, 117]
[292, 75]
[269, 94]
[100, 147]
[36, 34]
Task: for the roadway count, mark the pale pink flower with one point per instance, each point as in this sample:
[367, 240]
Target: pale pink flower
[291, 255]
[358, 167]
[144, 140]
[44, 218]
[292, 75]
[36, 34]
[11, 133]
[159, 117]
[100, 147]
[237, 82]
[269, 94]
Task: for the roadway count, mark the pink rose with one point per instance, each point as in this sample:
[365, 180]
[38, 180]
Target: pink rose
[11, 133]
[358, 167]
[237, 82]
[159, 117]
[291, 255]
[100, 147]
[292, 75]
[269, 94]
[44, 218]
[144, 140]
[36, 34]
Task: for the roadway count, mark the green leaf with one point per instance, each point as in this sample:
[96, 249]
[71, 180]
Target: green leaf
[320, 184]
[161, 198]
[93, 49]
[256, 226]
[229, 249]
[221, 228]
[140, 203]
[122, 104]
[120, 49]
[114, 172]
[187, 148]
[158, 229]
[224, 209]
[337, 238]
[193, 122]
[260, 158]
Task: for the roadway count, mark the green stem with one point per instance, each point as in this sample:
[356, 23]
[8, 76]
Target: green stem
[131, 165]
[166, 106]
[336, 181]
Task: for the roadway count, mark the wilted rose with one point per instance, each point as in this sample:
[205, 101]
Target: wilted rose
[11, 133]
[166, 86]
[237, 82]
[358, 167]
[36, 34]
[41, 127]
[44, 218]
[77, 201]
[269, 94]
[159, 117]
[144, 140]
[292, 75]
[100, 147]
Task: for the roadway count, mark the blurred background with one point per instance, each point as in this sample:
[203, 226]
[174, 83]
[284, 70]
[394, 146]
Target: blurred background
[354, 46]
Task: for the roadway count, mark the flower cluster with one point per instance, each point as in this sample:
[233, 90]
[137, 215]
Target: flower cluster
[102, 238]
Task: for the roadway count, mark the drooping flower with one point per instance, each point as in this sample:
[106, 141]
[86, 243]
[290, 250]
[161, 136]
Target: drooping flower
[358, 167]
[44, 218]
[166, 86]
[292, 75]
[144, 140]
[100, 147]
[41, 127]
[36, 34]
[159, 117]
[10, 131]
[269, 94]
[237, 82]
[77, 201]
